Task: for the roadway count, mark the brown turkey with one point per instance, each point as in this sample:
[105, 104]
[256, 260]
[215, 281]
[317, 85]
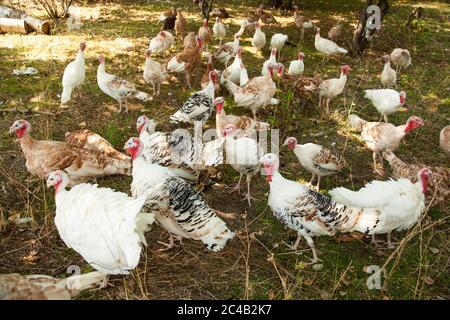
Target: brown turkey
[43, 157]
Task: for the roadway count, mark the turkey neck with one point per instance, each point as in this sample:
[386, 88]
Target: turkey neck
[80, 56]
[387, 66]
[101, 69]
[26, 143]
[343, 78]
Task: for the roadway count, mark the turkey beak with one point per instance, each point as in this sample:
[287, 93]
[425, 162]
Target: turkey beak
[49, 184]
[12, 130]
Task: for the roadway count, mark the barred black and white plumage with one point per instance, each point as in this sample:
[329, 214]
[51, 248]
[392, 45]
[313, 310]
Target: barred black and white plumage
[177, 206]
[182, 211]
[310, 213]
[199, 106]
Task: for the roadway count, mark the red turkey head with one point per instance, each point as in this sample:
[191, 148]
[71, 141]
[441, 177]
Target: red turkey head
[424, 175]
[162, 34]
[133, 147]
[345, 69]
[141, 122]
[295, 8]
[219, 102]
[101, 59]
[82, 46]
[148, 53]
[199, 40]
[58, 179]
[20, 127]
[413, 123]
[318, 31]
[257, 24]
[213, 76]
[301, 56]
[205, 23]
[402, 95]
[239, 52]
[270, 165]
[386, 58]
[217, 19]
[274, 52]
[280, 69]
[291, 142]
[230, 129]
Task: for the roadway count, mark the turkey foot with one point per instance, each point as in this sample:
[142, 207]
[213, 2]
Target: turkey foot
[390, 244]
[169, 245]
[231, 215]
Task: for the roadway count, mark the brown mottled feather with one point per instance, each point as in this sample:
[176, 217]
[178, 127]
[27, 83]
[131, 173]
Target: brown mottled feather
[439, 185]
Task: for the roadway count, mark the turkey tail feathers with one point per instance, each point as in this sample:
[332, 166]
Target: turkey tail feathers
[143, 96]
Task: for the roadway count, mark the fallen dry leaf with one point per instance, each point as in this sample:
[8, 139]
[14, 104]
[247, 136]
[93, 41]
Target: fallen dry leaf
[428, 280]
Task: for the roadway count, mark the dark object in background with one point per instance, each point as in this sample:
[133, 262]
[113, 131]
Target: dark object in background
[362, 35]
[282, 4]
[222, 13]
[169, 23]
[205, 6]
[416, 14]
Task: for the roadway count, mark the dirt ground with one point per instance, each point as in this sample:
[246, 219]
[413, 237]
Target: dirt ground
[257, 264]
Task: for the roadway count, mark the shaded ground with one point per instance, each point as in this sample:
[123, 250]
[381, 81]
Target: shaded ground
[257, 263]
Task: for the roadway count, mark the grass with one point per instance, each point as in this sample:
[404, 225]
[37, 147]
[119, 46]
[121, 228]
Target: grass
[257, 263]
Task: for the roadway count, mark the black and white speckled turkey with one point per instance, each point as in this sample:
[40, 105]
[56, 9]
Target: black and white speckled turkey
[177, 206]
[183, 154]
[199, 106]
[310, 213]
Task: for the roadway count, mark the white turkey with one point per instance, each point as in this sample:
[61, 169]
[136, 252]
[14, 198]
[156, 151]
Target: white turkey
[399, 203]
[310, 213]
[444, 140]
[331, 88]
[259, 37]
[154, 72]
[117, 88]
[325, 46]
[199, 106]
[243, 155]
[381, 136]
[104, 226]
[161, 42]
[296, 67]
[14, 286]
[219, 30]
[388, 76]
[401, 58]
[272, 60]
[233, 71]
[386, 101]
[316, 159]
[278, 41]
[227, 51]
[177, 206]
[74, 74]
